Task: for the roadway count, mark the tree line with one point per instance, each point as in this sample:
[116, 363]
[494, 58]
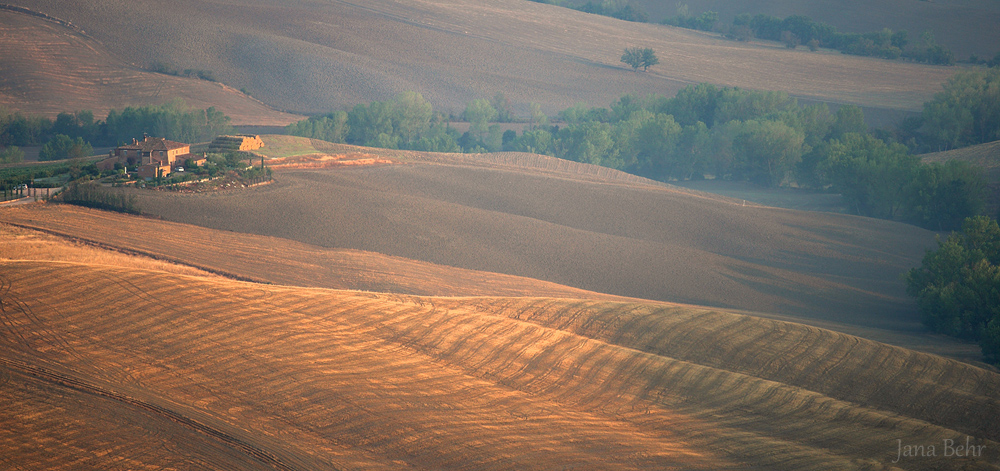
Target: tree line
[793, 31]
[72, 135]
[729, 133]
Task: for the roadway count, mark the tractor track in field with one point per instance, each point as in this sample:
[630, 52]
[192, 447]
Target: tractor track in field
[11, 367]
[141, 253]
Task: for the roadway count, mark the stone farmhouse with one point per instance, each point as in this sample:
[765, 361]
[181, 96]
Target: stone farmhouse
[151, 157]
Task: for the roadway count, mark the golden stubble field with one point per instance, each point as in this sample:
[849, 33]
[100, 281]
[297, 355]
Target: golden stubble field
[144, 343]
[315, 57]
[104, 365]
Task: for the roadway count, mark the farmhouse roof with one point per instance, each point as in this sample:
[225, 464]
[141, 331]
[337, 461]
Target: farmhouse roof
[158, 143]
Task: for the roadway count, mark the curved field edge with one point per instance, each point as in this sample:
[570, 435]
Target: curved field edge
[259, 258]
[344, 377]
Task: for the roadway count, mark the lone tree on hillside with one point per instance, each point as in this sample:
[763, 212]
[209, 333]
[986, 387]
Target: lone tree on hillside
[640, 57]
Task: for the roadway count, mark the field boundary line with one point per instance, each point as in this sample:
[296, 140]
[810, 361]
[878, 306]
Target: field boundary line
[135, 252]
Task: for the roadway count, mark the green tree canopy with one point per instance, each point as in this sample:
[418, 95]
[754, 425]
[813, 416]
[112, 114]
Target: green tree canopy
[636, 57]
[957, 286]
[65, 147]
[872, 176]
[966, 112]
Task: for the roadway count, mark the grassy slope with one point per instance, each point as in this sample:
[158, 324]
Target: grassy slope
[223, 374]
[48, 68]
[315, 57]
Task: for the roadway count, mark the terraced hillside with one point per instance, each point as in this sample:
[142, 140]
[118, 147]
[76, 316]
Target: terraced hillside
[48, 68]
[318, 56]
[106, 366]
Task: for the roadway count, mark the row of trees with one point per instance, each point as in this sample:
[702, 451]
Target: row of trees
[966, 112]
[798, 29]
[730, 133]
[72, 134]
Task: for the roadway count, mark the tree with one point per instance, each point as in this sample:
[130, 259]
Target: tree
[847, 119]
[637, 57]
[957, 286]
[12, 154]
[633, 57]
[764, 151]
[940, 197]
[64, 147]
[966, 112]
[479, 113]
[649, 59]
[872, 176]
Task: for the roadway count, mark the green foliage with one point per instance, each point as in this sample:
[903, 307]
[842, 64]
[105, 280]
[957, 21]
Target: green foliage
[798, 29]
[331, 127]
[966, 112]
[620, 9]
[636, 57]
[172, 120]
[704, 22]
[763, 151]
[957, 286]
[91, 194]
[10, 155]
[405, 122]
[940, 196]
[17, 129]
[868, 173]
[848, 119]
[479, 113]
[64, 147]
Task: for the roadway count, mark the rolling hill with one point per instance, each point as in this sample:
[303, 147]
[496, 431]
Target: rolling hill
[48, 68]
[315, 57]
[111, 366]
[577, 227]
[615, 234]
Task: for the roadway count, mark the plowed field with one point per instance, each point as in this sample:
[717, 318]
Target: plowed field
[116, 367]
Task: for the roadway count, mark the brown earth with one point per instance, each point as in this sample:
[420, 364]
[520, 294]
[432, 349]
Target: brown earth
[106, 366]
[566, 223]
[48, 68]
[315, 57]
[630, 239]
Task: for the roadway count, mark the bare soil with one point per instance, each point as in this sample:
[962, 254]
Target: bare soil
[110, 366]
[316, 57]
[49, 68]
